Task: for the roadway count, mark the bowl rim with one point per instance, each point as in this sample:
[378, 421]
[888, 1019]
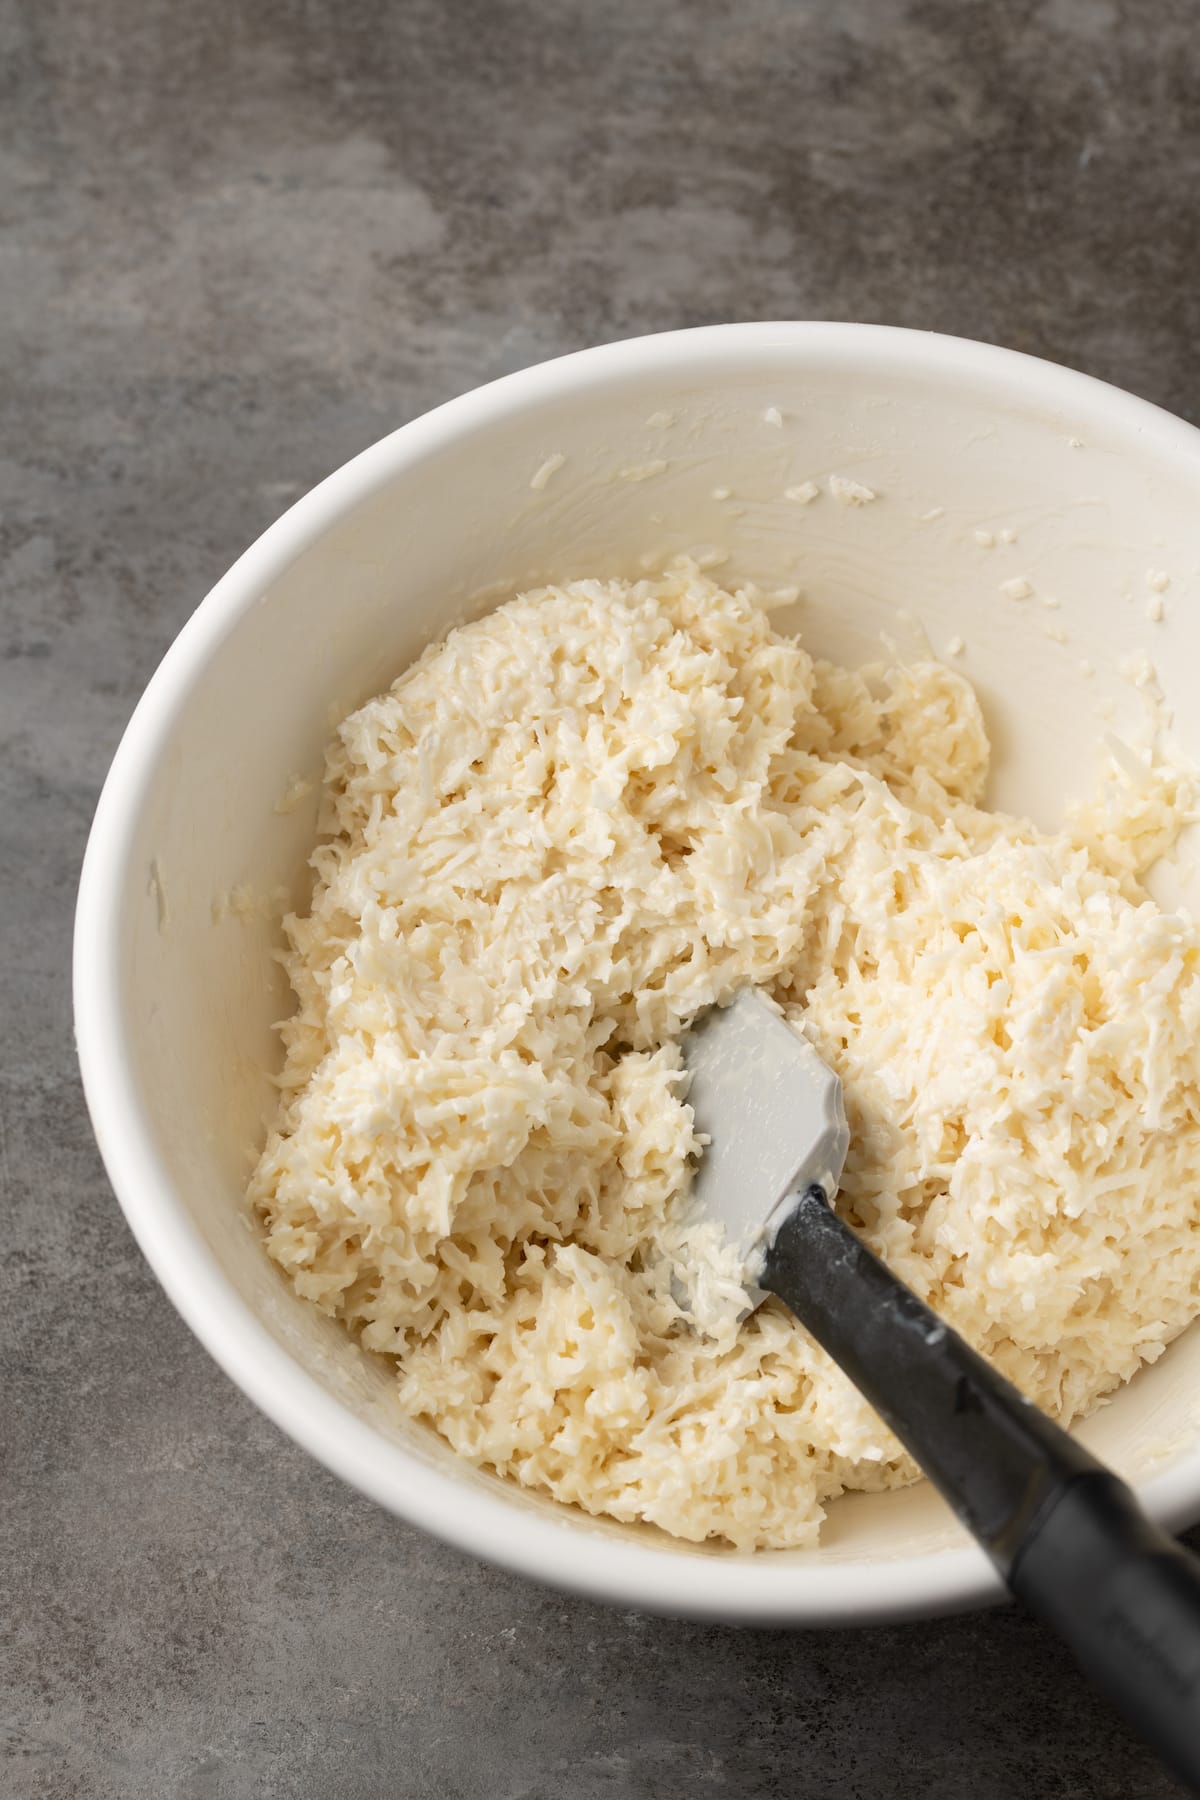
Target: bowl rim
[475, 1517]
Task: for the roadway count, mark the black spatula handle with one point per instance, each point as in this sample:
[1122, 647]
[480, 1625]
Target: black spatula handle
[1066, 1534]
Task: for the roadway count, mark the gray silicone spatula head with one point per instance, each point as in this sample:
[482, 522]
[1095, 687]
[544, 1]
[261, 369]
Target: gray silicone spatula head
[773, 1113]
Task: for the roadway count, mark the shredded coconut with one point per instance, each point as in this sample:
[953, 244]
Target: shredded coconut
[543, 473]
[156, 887]
[804, 493]
[294, 794]
[1140, 672]
[248, 904]
[850, 493]
[643, 471]
[565, 830]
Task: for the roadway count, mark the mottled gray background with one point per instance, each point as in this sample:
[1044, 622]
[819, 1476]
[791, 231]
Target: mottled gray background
[242, 239]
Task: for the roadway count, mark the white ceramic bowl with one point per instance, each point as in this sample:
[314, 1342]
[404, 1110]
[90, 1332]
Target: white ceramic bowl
[174, 1004]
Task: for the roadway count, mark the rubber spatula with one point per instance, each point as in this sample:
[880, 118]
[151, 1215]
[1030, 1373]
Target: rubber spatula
[1065, 1533]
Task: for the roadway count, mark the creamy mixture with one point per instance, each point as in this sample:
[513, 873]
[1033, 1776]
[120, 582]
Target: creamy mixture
[562, 832]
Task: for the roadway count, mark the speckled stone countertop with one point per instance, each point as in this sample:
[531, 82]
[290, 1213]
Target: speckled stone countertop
[241, 239]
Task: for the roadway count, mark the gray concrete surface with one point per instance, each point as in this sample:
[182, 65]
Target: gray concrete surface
[241, 239]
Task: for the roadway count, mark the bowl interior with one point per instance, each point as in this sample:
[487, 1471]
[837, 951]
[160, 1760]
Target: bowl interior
[988, 469]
